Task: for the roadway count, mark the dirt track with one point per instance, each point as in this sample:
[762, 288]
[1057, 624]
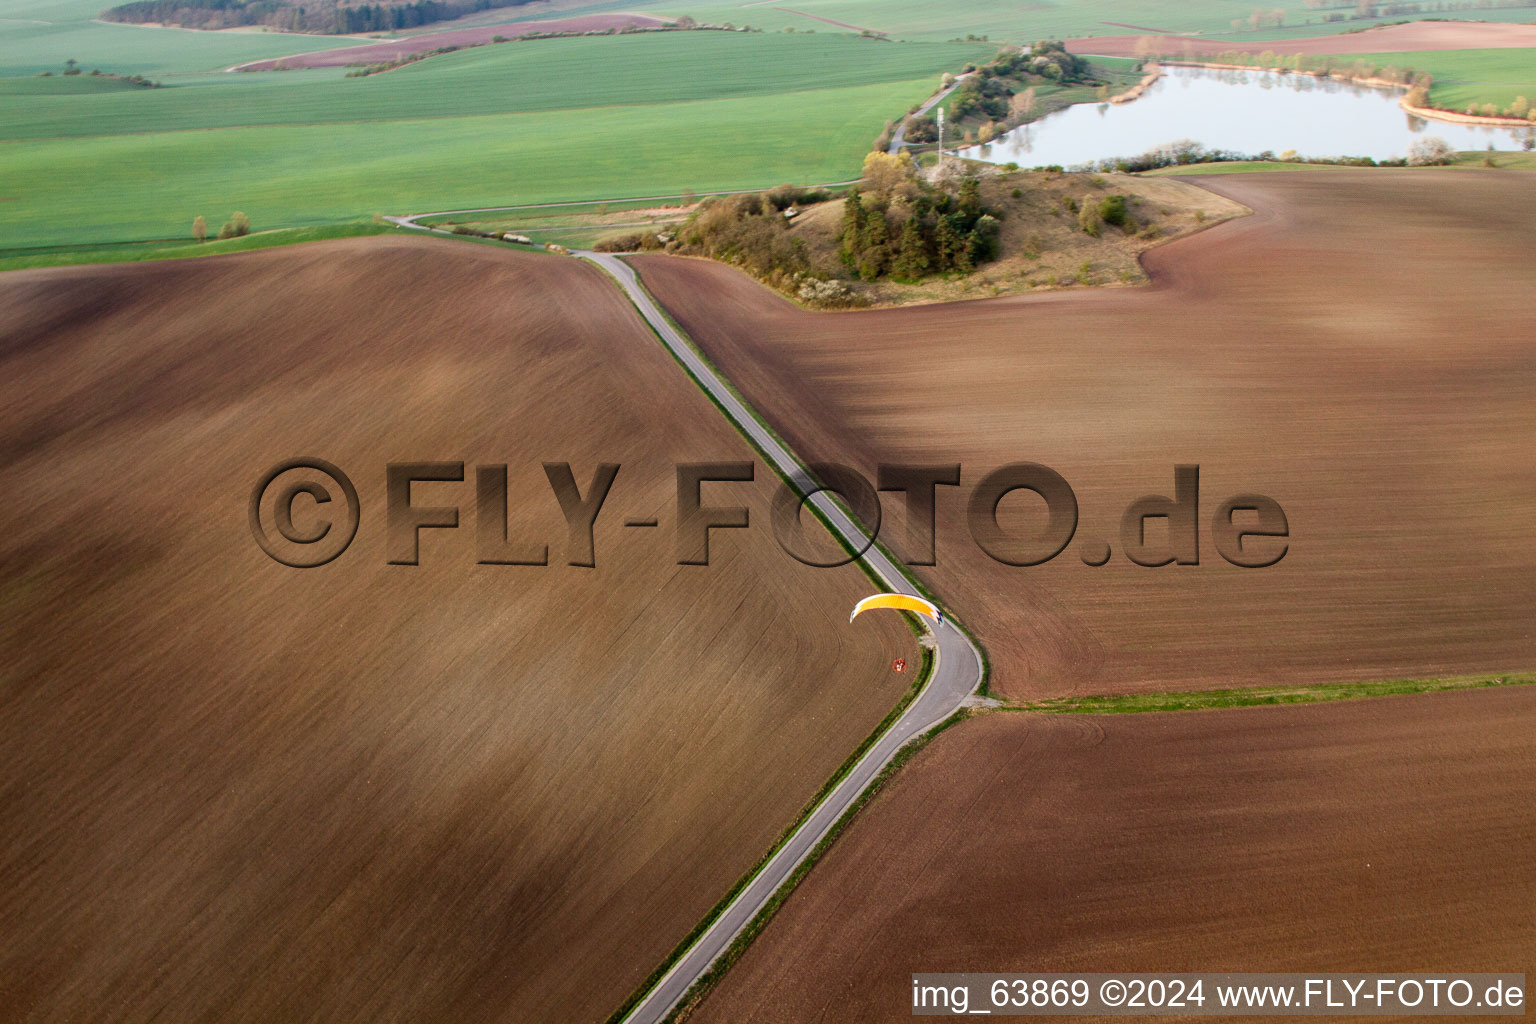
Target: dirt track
[1384, 835]
[395, 49]
[235, 791]
[1360, 351]
[1416, 35]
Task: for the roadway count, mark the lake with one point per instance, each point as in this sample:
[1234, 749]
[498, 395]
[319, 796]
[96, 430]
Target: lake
[1243, 111]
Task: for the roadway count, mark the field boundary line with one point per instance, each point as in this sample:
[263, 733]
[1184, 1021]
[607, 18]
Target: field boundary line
[1171, 701]
[409, 221]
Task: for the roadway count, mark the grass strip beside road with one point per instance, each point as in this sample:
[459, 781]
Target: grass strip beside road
[180, 248]
[1206, 700]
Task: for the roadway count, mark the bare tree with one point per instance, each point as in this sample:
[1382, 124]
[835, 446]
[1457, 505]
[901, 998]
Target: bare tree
[1022, 104]
[1430, 151]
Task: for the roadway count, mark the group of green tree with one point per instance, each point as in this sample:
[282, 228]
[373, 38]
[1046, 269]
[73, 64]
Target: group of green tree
[238, 226]
[894, 226]
[1003, 89]
[990, 91]
[333, 17]
[751, 231]
[72, 68]
[1093, 214]
[906, 229]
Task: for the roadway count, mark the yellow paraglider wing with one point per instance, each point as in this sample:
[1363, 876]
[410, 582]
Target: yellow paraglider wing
[901, 602]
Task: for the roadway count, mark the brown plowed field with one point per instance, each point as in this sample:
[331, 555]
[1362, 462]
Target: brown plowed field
[1415, 35]
[395, 49]
[234, 791]
[1381, 835]
[1360, 350]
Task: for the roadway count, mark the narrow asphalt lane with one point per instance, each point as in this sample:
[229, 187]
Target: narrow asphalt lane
[956, 674]
[899, 137]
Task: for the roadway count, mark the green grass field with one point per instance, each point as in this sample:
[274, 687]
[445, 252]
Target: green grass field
[40, 35]
[1464, 77]
[1032, 19]
[538, 121]
[1301, 22]
[59, 85]
[1233, 167]
[316, 173]
[537, 75]
[1014, 22]
[1503, 161]
[88, 160]
[172, 249]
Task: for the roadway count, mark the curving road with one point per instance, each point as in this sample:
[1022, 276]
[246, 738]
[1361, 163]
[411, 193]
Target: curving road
[956, 674]
[899, 137]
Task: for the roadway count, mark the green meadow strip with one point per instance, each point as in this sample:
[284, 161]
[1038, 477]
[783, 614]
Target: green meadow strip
[1205, 700]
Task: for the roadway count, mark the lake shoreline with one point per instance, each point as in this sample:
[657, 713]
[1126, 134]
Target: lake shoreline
[1154, 72]
[1337, 116]
[1428, 113]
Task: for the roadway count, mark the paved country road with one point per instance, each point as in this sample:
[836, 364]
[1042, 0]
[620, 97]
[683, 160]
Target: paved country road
[956, 674]
[899, 138]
